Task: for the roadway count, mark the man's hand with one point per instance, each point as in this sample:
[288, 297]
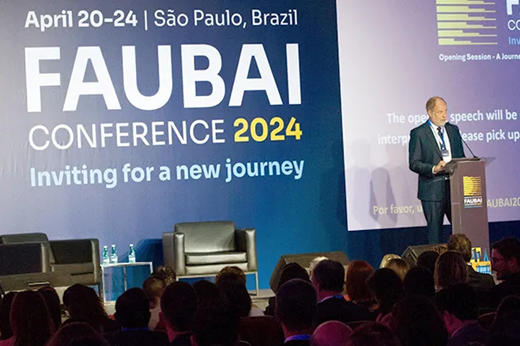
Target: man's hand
[439, 167]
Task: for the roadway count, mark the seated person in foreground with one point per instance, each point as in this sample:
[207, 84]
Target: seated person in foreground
[133, 314]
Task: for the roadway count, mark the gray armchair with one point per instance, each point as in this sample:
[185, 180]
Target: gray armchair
[78, 257]
[198, 249]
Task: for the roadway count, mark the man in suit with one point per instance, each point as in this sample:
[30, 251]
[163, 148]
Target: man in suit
[480, 282]
[295, 308]
[329, 279]
[432, 145]
[505, 261]
[179, 305]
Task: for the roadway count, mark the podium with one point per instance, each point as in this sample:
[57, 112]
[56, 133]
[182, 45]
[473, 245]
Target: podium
[469, 200]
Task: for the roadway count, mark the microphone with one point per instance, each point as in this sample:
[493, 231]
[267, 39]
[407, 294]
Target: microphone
[467, 146]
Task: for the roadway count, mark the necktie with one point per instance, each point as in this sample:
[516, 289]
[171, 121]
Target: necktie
[441, 135]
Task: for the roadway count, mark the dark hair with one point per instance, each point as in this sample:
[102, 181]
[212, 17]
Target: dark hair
[5, 310]
[30, 319]
[357, 274]
[291, 271]
[296, 304]
[233, 292]
[458, 300]
[179, 305]
[77, 334]
[373, 334]
[215, 325]
[234, 271]
[450, 269]
[427, 260]
[509, 305]
[133, 309]
[207, 292]
[387, 288]
[153, 287]
[508, 247]
[419, 280]
[53, 304]
[330, 275]
[419, 323]
[165, 273]
[460, 243]
[84, 303]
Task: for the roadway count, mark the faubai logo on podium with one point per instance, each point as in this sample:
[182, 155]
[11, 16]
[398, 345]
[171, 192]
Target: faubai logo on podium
[472, 192]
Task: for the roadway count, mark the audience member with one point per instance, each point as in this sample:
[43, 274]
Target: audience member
[372, 334]
[77, 334]
[83, 304]
[328, 280]
[133, 315]
[53, 304]
[207, 293]
[30, 321]
[427, 259]
[508, 305]
[290, 271]
[239, 273]
[296, 310]
[165, 273]
[506, 329]
[505, 261]
[178, 308]
[399, 266]
[331, 333]
[386, 258]
[357, 288]
[450, 269]
[5, 310]
[215, 325]
[313, 264]
[417, 322]
[154, 287]
[232, 290]
[480, 282]
[419, 280]
[387, 287]
[459, 308]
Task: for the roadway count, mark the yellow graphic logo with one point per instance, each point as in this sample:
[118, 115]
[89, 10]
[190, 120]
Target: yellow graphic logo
[466, 22]
[472, 186]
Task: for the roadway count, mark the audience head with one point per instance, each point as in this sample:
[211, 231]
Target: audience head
[5, 310]
[460, 243]
[399, 266]
[357, 288]
[215, 325]
[427, 260]
[133, 309]
[313, 264]
[457, 304]
[293, 271]
[207, 292]
[178, 306]
[30, 319]
[419, 323]
[505, 257]
[328, 276]
[53, 304]
[372, 334]
[83, 302]
[386, 258]
[165, 273]
[419, 280]
[77, 334]
[154, 287]
[450, 269]
[296, 305]
[331, 333]
[508, 327]
[231, 272]
[508, 305]
[233, 292]
[387, 287]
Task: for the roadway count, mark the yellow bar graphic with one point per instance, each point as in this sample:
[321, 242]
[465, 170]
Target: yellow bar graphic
[464, 2]
[460, 33]
[452, 42]
[462, 9]
[462, 25]
[463, 17]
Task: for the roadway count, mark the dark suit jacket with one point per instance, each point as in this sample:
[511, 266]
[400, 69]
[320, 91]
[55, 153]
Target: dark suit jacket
[338, 309]
[510, 286]
[481, 283]
[137, 337]
[424, 153]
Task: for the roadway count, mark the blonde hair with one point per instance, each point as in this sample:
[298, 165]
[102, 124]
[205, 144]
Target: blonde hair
[399, 266]
[387, 258]
[450, 269]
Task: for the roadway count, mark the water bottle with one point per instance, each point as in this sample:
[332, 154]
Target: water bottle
[106, 259]
[131, 254]
[113, 255]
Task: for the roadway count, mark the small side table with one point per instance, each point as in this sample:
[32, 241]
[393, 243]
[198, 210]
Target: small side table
[124, 266]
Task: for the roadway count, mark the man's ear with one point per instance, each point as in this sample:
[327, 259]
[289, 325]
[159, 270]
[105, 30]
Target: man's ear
[193, 341]
[448, 319]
